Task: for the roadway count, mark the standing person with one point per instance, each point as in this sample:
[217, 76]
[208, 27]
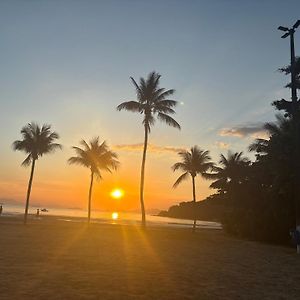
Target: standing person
[297, 238]
[37, 212]
[1, 209]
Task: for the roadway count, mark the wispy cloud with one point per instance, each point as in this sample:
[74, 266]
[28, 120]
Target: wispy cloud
[222, 145]
[151, 147]
[253, 130]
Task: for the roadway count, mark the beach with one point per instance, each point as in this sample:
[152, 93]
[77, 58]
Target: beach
[54, 259]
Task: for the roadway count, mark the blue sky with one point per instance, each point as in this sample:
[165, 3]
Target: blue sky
[68, 63]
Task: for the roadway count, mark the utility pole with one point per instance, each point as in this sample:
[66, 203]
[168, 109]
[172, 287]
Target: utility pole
[290, 32]
[296, 121]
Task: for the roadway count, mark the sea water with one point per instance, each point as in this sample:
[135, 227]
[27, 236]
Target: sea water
[79, 215]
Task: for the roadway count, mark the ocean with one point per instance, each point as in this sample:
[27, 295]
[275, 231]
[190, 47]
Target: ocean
[125, 218]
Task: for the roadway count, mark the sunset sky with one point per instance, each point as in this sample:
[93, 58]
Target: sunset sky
[68, 63]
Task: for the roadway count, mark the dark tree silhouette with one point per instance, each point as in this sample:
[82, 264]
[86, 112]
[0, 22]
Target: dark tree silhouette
[231, 172]
[36, 141]
[280, 139]
[283, 104]
[194, 162]
[152, 102]
[261, 205]
[96, 157]
[287, 71]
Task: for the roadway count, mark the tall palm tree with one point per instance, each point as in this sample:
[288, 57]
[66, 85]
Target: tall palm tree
[231, 172]
[96, 157]
[193, 162]
[36, 141]
[152, 102]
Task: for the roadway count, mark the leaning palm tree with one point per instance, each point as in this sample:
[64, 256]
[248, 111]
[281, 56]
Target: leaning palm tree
[193, 162]
[152, 101]
[96, 157]
[36, 142]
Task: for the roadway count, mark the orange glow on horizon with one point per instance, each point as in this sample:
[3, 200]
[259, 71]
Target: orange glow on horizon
[69, 187]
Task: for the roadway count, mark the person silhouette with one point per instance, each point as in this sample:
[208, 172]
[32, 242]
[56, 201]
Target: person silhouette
[37, 212]
[1, 209]
[297, 238]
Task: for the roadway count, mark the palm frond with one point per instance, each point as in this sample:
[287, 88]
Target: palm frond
[98, 174]
[179, 166]
[36, 141]
[26, 162]
[95, 156]
[53, 147]
[182, 177]
[168, 103]
[138, 89]
[259, 145]
[168, 120]
[84, 144]
[133, 106]
[208, 176]
[165, 94]
[78, 161]
[163, 109]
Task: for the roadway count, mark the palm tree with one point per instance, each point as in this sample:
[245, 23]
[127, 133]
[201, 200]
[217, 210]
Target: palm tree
[231, 172]
[280, 140]
[96, 157]
[193, 162]
[36, 141]
[152, 101]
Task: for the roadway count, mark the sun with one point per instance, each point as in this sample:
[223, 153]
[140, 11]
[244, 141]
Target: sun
[117, 193]
[115, 216]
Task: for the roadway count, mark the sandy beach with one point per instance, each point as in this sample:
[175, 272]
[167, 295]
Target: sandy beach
[51, 259]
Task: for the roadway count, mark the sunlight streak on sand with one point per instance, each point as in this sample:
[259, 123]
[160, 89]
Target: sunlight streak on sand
[163, 272]
[50, 264]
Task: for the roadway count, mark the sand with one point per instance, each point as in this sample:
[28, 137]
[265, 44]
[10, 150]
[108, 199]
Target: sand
[50, 259]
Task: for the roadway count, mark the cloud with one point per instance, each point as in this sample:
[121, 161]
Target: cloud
[222, 145]
[242, 131]
[151, 148]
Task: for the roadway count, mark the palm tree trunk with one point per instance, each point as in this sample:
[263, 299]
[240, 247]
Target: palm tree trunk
[29, 191]
[90, 197]
[194, 203]
[143, 178]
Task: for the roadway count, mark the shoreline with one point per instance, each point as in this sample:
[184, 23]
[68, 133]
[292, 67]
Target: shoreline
[160, 222]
